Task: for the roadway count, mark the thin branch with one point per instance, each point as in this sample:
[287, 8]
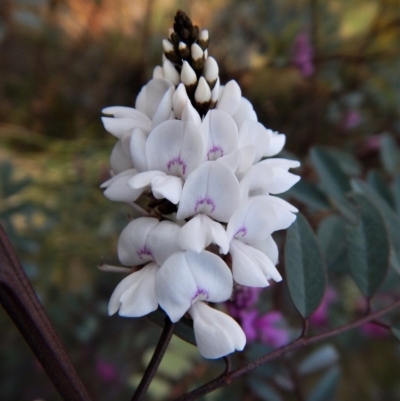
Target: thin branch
[19, 300]
[151, 369]
[228, 366]
[294, 345]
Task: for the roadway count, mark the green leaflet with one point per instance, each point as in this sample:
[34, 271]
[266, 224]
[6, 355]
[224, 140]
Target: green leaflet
[368, 247]
[305, 267]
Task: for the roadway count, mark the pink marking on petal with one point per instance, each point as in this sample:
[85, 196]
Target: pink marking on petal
[206, 200]
[242, 230]
[200, 292]
[179, 161]
[144, 252]
[212, 152]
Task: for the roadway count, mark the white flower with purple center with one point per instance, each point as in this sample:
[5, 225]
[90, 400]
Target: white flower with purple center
[144, 241]
[193, 155]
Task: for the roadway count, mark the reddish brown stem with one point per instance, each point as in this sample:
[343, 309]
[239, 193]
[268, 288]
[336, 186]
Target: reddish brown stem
[19, 300]
[294, 345]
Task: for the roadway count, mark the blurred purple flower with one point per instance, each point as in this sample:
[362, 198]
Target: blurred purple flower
[320, 316]
[106, 371]
[270, 330]
[266, 328]
[351, 119]
[248, 320]
[374, 331]
[303, 54]
[243, 298]
[373, 142]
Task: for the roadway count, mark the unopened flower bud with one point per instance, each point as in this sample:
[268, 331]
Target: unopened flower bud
[158, 72]
[188, 76]
[179, 100]
[210, 71]
[203, 39]
[194, 33]
[167, 46]
[170, 52]
[215, 93]
[197, 52]
[184, 51]
[197, 56]
[203, 92]
[170, 73]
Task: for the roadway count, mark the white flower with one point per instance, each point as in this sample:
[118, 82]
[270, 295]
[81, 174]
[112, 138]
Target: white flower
[192, 151]
[143, 241]
[183, 283]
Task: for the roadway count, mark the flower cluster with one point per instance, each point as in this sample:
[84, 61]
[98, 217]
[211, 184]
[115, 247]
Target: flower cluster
[193, 159]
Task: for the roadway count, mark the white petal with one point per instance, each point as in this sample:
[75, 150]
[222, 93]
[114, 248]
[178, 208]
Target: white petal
[187, 277]
[269, 247]
[219, 134]
[132, 249]
[230, 98]
[174, 147]
[254, 133]
[119, 161]
[134, 296]
[193, 235]
[279, 202]
[151, 95]
[127, 112]
[281, 181]
[164, 109]
[131, 172]
[250, 266]
[216, 333]
[211, 189]
[253, 222]
[163, 241]
[200, 232]
[118, 189]
[276, 143]
[142, 180]
[248, 154]
[244, 112]
[137, 148]
[121, 126]
[256, 177]
[232, 161]
[168, 187]
[284, 164]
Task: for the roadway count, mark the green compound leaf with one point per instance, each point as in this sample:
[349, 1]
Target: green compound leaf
[305, 267]
[183, 329]
[368, 247]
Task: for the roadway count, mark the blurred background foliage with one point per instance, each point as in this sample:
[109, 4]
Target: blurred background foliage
[325, 73]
